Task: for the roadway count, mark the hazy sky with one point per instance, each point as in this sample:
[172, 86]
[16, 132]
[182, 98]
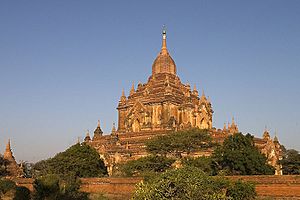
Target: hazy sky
[63, 64]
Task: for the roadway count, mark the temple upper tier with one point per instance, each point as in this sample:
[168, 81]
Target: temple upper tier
[164, 102]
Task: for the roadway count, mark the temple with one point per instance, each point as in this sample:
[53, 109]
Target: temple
[162, 105]
[12, 168]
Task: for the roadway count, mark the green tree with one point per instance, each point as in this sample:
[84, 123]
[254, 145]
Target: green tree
[187, 183]
[22, 193]
[203, 163]
[6, 186]
[146, 165]
[239, 156]
[3, 163]
[79, 160]
[175, 143]
[54, 187]
[291, 162]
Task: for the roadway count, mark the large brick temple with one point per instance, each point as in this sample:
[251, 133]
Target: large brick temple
[162, 105]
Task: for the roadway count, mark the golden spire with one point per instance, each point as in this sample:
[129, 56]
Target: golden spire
[123, 97]
[232, 121]
[98, 125]
[132, 89]
[164, 49]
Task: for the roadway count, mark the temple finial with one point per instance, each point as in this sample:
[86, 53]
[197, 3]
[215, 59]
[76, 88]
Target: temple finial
[123, 93]
[164, 40]
[98, 125]
[203, 94]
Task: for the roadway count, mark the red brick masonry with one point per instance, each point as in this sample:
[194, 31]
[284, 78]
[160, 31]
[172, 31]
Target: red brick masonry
[273, 187]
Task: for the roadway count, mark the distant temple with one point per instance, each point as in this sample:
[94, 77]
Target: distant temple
[161, 105]
[12, 168]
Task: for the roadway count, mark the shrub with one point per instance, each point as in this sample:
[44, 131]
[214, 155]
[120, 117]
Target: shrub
[241, 190]
[6, 185]
[190, 183]
[22, 193]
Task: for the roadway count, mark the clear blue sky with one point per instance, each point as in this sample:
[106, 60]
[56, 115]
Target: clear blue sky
[63, 64]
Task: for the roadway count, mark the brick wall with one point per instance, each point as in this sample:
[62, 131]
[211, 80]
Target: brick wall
[273, 187]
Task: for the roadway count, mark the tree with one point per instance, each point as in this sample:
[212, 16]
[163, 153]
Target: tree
[79, 160]
[190, 183]
[22, 193]
[239, 156]
[145, 165]
[290, 162]
[203, 163]
[6, 186]
[54, 187]
[179, 142]
[3, 163]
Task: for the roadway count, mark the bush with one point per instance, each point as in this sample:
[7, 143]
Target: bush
[190, 183]
[46, 187]
[6, 185]
[58, 188]
[241, 190]
[22, 193]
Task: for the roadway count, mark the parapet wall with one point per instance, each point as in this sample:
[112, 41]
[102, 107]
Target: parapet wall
[270, 187]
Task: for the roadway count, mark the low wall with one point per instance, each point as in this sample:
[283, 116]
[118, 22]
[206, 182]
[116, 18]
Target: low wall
[275, 187]
[116, 188]
[272, 187]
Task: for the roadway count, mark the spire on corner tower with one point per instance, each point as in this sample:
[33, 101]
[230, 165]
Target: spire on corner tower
[233, 123]
[87, 137]
[123, 97]
[123, 93]
[132, 89]
[98, 132]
